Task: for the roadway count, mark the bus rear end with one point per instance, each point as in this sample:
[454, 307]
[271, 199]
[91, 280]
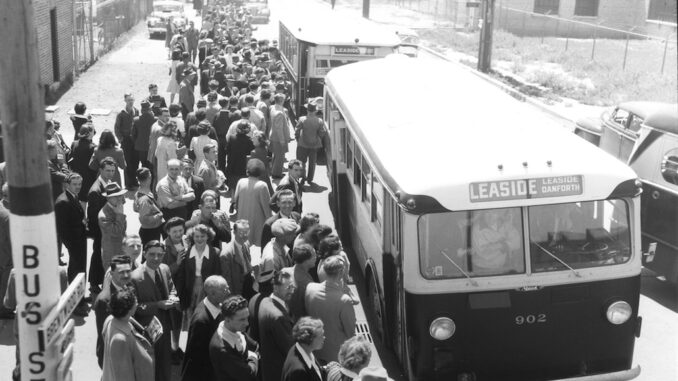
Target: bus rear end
[535, 291]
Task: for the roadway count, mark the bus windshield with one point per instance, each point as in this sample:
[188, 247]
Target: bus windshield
[491, 242]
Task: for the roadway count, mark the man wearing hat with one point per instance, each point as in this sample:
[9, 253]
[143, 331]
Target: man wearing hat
[275, 255]
[123, 132]
[187, 91]
[141, 131]
[112, 223]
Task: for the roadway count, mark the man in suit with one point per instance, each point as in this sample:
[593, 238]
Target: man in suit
[121, 271]
[304, 257]
[95, 201]
[72, 231]
[156, 296]
[194, 182]
[234, 355]
[204, 322]
[328, 302]
[291, 181]
[186, 92]
[236, 261]
[285, 201]
[275, 326]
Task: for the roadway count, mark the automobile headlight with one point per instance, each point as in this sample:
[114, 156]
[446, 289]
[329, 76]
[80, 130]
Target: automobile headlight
[442, 328]
[619, 312]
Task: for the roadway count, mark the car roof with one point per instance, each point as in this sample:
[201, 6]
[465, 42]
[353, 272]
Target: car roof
[657, 115]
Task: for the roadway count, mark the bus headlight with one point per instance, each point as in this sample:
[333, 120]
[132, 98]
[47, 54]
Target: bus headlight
[619, 312]
[442, 328]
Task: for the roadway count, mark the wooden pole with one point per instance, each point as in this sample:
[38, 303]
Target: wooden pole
[32, 226]
[485, 51]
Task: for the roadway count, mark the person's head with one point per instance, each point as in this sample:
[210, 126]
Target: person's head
[241, 231]
[154, 252]
[176, 55]
[204, 127]
[334, 267]
[265, 95]
[233, 101]
[107, 140]
[259, 139]
[173, 168]
[153, 89]
[129, 100]
[210, 151]
[286, 201]
[249, 100]
[245, 113]
[306, 224]
[200, 235]
[121, 270]
[329, 245]
[191, 24]
[74, 183]
[309, 333]
[144, 176]
[123, 304]
[164, 114]
[131, 246]
[5, 192]
[216, 289]
[49, 128]
[311, 108]
[85, 132]
[255, 168]
[212, 96]
[201, 113]
[208, 202]
[279, 98]
[304, 256]
[320, 231]
[243, 127]
[174, 110]
[223, 103]
[168, 129]
[80, 108]
[186, 56]
[296, 169]
[175, 228]
[235, 312]
[187, 167]
[283, 284]
[115, 195]
[107, 168]
[355, 354]
[284, 230]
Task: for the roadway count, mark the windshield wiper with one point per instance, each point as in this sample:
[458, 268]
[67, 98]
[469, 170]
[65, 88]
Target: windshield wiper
[473, 282]
[575, 272]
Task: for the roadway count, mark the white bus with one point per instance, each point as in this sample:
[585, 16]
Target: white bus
[495, 245]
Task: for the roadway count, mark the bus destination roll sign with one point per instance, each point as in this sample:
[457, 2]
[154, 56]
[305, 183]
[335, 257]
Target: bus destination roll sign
[557, 186]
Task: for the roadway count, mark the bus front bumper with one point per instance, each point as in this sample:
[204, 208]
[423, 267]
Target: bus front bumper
[623, 375]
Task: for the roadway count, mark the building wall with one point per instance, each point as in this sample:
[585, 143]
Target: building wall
[64, 18]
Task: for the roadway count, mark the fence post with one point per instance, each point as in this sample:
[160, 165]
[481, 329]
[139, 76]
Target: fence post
[456, 11]
[666, 46]
[593, 49]
[523, 33]
[506, 12]
[567, 38]
[626, 51]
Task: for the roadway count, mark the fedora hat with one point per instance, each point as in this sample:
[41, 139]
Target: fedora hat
[113, 189]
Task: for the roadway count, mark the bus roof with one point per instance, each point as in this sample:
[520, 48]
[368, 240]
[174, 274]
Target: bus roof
[337, 29]
[434, 138]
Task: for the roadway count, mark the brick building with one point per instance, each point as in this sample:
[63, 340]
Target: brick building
[54, 24]
[653, 17]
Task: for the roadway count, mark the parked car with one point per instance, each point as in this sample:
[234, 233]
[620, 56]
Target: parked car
[409, 42]
[258, 10]
[645, 136]
[162, 11]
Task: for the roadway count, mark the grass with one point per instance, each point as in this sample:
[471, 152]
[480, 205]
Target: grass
[602, 81]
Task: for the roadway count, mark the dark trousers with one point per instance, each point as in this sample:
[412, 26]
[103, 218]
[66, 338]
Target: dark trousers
[184, 111]
[310, 154]
[132, 161]
[221, 153]
[148, 235]
[77, 257]
[96, 265]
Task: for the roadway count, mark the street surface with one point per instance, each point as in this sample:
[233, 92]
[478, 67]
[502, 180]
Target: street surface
[137, 61]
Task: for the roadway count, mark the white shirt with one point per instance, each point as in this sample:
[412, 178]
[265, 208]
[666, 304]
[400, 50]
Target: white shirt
[199, 258]
[309, 359]
[213, 310]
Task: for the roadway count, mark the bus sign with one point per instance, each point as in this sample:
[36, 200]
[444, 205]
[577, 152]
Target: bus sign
[353, 50]
[58, 317]
[557, 186]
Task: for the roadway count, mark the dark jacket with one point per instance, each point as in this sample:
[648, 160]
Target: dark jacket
[228, 364]
[185, 277]
[95, 201]
[58, 174]
[233, 270]
[198, 187]
[275, 333]
[69, 218]
[196, 365]
[238, 147]
[221, 123]
[81, 153]
[141, 131]
[101, 312]
[295, 368]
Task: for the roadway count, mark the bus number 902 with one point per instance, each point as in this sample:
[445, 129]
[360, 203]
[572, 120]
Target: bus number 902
[530, 319]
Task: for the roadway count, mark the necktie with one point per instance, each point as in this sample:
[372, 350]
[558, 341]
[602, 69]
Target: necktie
[161, 285]
[246, 259]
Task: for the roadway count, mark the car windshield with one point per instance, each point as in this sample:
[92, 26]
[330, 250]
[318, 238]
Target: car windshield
[491, 242]
[168, 8]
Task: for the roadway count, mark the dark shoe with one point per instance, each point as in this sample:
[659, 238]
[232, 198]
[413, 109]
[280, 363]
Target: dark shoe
[177, 357]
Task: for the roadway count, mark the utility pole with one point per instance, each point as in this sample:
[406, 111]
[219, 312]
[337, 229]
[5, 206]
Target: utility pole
[485, 50]
[44, 348]
[366, 9]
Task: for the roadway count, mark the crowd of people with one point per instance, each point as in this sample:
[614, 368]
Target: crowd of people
[284, 315]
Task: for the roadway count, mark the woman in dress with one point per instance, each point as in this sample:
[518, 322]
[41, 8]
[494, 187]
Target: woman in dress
[251, 200]
[167, 148]
[238, 146]
[81, 152]
[108, 147]
[199, 262]
[199, 142]
[173, 86]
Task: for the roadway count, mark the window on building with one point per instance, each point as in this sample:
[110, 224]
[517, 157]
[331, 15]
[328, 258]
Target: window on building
[547, 7]
[586, 8]
[663, 10]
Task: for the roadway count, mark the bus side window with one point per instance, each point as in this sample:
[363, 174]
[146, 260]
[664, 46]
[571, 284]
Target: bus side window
[357, 162]
[349, 151]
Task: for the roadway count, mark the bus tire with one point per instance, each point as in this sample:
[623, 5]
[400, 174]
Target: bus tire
[374, 304]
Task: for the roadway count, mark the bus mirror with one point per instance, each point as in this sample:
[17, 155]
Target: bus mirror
[669, 167]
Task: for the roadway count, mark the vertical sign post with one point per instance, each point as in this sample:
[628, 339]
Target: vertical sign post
[32, 227]
[485, 51]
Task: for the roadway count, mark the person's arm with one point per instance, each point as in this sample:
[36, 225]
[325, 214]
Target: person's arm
[115, 225]
[146, 208]
[222, 226]
[117, 127]
[283, 334]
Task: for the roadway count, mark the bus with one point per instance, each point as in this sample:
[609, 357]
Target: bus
[311, 46]
[494, 244]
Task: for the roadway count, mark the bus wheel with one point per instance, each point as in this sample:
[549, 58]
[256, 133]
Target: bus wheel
[374, 304]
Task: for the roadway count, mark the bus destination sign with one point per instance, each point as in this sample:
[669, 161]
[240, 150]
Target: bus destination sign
[352, 50]
[557, 186]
